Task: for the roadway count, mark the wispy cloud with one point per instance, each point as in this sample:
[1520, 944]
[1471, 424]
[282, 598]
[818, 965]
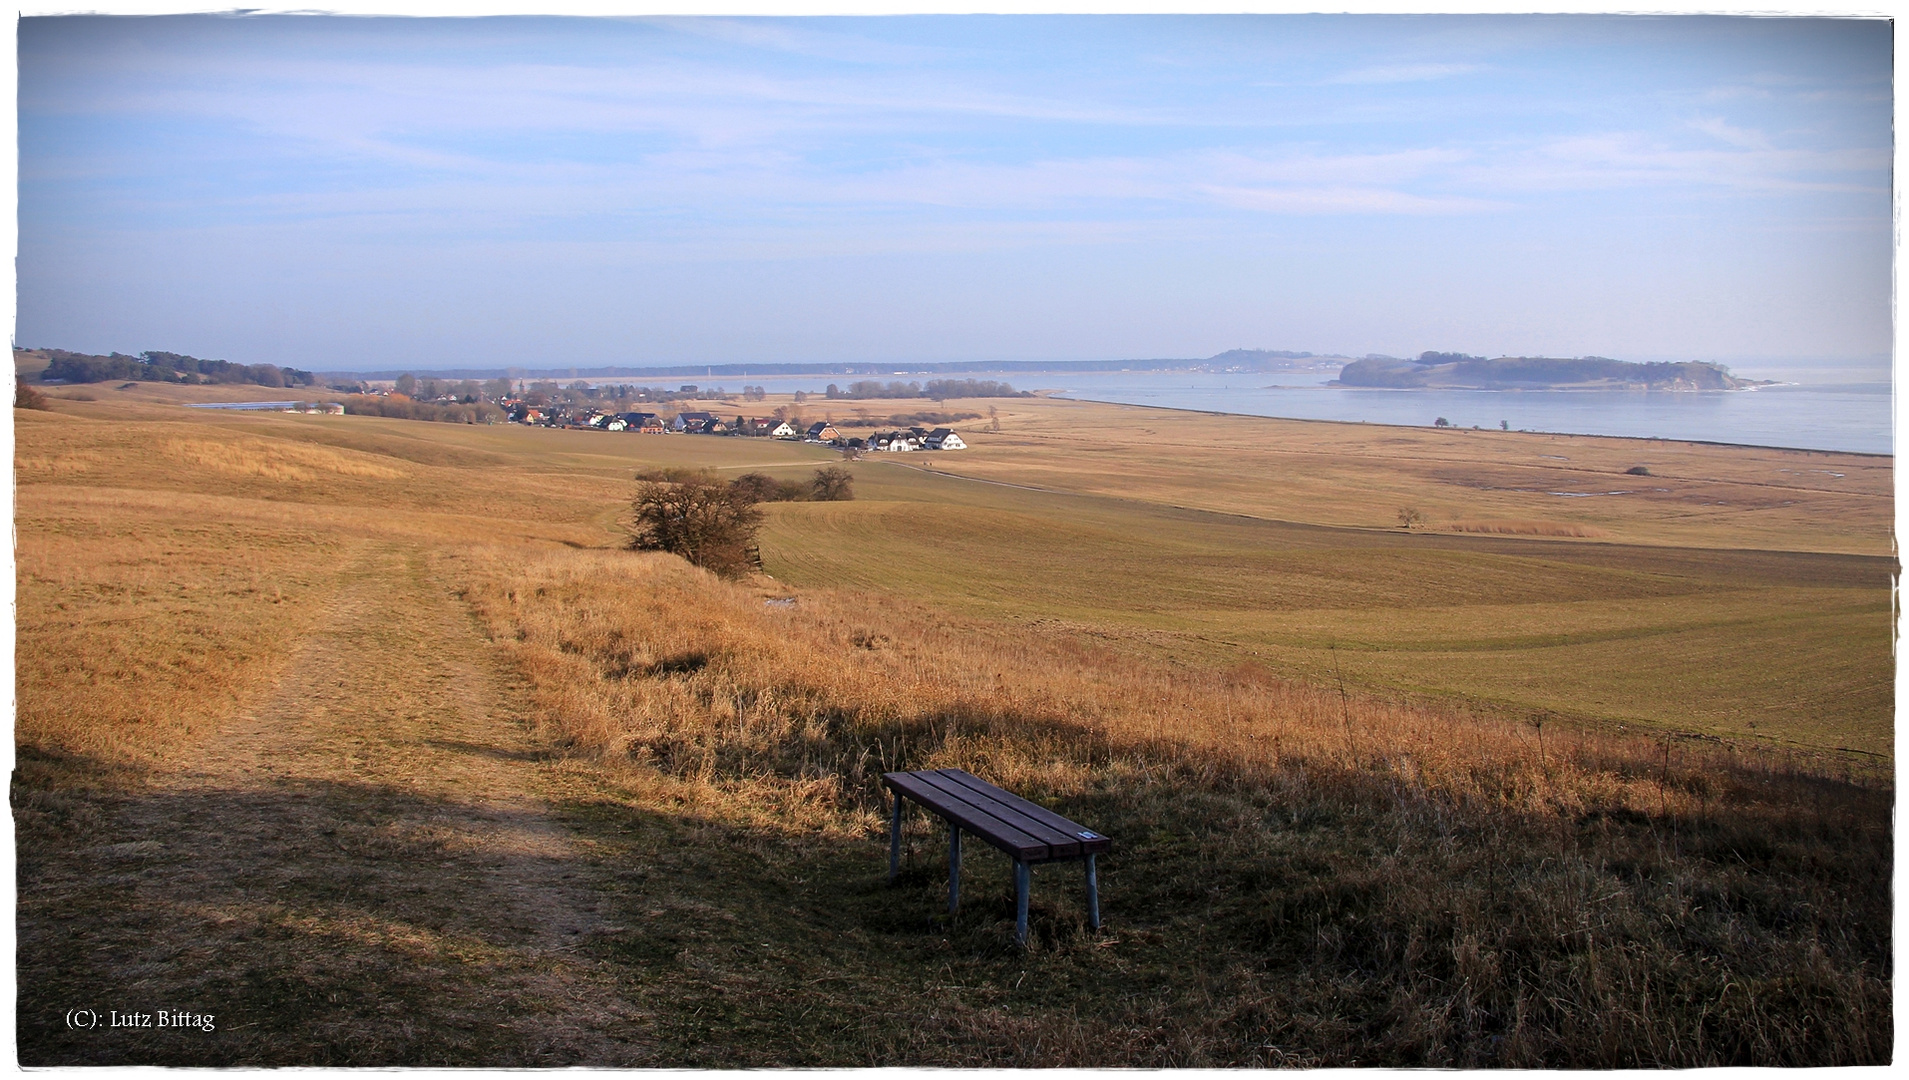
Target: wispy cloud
[1719, 129]
[803, 40]
[618, 145]
[1348, 200]
[1402, 73]
[1637, 161]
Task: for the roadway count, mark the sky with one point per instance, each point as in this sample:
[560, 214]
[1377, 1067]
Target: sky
[336, 193]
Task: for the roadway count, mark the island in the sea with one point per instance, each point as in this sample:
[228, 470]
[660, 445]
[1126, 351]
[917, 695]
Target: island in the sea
[1457, 371]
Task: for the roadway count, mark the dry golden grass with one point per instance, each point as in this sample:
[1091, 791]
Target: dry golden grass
[137, 629]
[357, 733]
[271, 460]
[1524, 528]
[779, 716]
[636, 657]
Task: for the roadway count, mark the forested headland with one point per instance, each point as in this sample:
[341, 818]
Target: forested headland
[72, 367]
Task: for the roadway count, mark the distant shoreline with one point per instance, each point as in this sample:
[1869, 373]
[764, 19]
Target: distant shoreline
[1481, 430]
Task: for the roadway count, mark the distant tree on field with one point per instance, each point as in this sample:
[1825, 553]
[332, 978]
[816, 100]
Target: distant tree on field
[407, 385]
[699, 517]
[1441, 422]
[1410, 516]
[26, 397]
[833, 484]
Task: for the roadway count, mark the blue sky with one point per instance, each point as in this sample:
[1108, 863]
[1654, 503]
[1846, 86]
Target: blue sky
[355, 193]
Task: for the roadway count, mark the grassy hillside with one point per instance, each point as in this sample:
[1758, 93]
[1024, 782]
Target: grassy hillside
[363, 737]
[1788, 647]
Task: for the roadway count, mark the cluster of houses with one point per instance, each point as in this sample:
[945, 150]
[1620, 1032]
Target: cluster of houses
[705, 423]
[913, 439]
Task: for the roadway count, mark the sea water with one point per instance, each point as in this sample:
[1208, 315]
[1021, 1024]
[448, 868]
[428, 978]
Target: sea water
[1814, 415]
[1818, 408]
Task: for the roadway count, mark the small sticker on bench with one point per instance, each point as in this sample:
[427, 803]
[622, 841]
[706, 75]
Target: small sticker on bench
[1086, 836]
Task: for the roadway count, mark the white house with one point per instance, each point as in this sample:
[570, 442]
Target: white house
[784, 430]
[944, 439]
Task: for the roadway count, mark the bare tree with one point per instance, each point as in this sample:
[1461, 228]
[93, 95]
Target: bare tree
[833, 484]
[696, 516]
[1410, 516]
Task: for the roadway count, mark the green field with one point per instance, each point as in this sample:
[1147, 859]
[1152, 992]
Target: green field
[1787, 648]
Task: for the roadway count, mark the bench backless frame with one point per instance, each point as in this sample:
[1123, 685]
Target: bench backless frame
[1026, 832]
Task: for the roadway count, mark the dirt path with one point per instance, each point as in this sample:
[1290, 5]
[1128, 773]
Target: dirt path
[360, 872]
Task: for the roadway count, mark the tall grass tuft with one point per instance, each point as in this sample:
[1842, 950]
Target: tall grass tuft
[1357, 881]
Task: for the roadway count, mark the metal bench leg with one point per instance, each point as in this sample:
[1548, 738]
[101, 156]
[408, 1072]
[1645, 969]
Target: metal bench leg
[1021, 875]
[1093, 895]
[894, 843]
[954, 867]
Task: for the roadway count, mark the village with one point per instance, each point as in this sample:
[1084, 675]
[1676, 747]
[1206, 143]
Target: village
[708, 423]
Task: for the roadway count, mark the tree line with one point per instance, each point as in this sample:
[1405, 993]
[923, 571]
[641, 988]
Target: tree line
[64, 366]
[403, 408]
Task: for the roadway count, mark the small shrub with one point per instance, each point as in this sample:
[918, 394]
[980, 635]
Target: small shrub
[758, 487]
[26, 397]
[699, 517]
[1637, 470]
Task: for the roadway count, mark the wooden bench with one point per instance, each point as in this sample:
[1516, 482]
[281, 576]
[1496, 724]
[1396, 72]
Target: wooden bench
[1027, 833]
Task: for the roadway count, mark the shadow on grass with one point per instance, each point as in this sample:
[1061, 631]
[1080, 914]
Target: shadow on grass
[315, 923]
[1313, 921]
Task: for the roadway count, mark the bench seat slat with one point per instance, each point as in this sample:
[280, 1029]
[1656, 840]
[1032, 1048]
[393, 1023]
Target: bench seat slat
[1092, 843]
[1009, 839]
[1060, 844]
